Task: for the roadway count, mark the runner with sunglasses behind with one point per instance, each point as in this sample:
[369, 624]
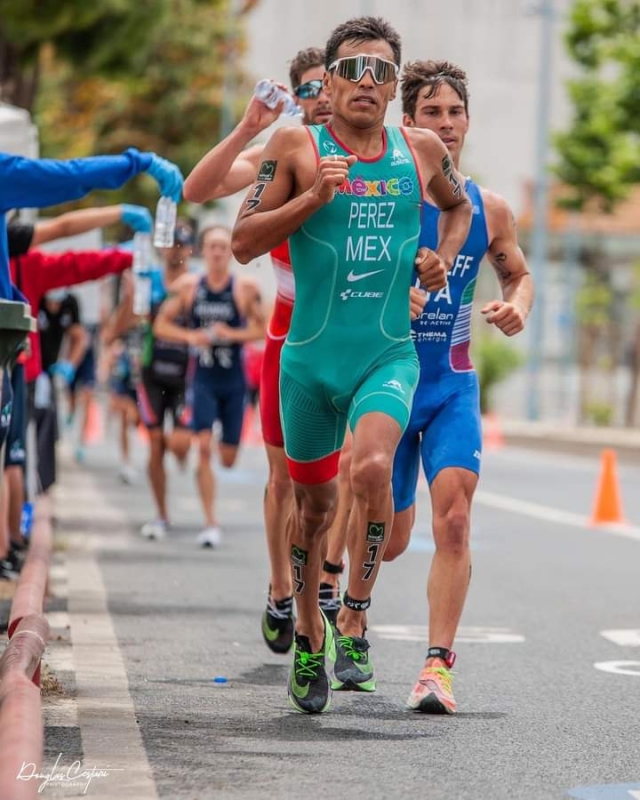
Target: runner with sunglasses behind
[444, 430]
[227, 169]
[348, 195]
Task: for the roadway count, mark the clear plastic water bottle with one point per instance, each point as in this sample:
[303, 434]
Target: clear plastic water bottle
[165, 226]
[142, 256]
[141, 281]
[271, 94]
[141, 294]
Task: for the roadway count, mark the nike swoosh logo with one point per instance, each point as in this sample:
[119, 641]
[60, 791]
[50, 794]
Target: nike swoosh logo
[270, 634]
[351, 277]
[300, 691]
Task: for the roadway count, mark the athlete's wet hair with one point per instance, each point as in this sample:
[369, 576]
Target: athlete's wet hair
[302, 61]
[418, 74]
[214, 226]
[363, 29]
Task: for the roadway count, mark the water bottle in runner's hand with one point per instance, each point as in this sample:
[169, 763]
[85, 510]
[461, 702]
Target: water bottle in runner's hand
[271, 95]
[166, 214]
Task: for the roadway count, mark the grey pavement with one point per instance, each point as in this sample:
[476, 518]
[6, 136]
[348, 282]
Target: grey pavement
[536, 717]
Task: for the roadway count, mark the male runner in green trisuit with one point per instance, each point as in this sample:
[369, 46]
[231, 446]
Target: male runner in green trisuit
[348, 194]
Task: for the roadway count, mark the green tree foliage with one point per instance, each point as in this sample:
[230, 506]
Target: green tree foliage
[495, 360]
[102, 35]
[599, 156]
[171, 100]
[599, 162]
[594, 302]
[126, 77]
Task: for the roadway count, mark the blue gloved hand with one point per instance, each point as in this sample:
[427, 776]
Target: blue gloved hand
[65, 369]
[168, 177]
[137, 218]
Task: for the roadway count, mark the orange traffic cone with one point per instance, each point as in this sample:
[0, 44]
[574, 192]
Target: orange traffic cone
[94, 430]
[493, 438]
[608, 504]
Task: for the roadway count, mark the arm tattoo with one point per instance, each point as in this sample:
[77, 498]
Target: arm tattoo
[267, 171]
[450, 175]
[499, 264]
[254, 201]
[370, 565]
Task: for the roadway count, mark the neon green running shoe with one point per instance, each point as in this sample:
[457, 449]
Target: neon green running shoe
[354, 670]
[309, 686]
[277, 625]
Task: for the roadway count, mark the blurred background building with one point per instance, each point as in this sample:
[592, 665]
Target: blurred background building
[175, 76]
[496, 41]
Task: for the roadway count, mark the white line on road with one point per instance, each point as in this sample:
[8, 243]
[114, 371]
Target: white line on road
[549, 514]
[59, 658]
[466, 634]
[619, 667]
[625, 637]
[110, 734]
[60, 712]
[58, 576]
[57, 619]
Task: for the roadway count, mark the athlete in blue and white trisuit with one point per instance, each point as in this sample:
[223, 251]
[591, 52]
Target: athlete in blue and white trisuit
[224, 312]
[445, 428]
[36, 183]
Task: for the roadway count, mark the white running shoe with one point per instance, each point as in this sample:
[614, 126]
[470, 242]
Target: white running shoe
[128, 474]
[155, 530]
[210, 537]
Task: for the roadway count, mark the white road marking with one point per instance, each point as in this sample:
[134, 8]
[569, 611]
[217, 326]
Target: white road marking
[465, 635]
[609, 791]
[619, 667]
[58, 575]
[549, 514]
[58, 619]
[625, 637]
[60, 712]
[110, 734]
[59, 657]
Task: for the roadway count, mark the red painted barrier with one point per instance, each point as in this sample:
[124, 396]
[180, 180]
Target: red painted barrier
[32, 586]
[21, 737]
[21, 726]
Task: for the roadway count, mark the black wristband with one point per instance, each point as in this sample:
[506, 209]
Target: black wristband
[356, 605]
[333, 569]
[448, 656]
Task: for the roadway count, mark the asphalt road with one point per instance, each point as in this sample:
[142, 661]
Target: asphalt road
[150, 625]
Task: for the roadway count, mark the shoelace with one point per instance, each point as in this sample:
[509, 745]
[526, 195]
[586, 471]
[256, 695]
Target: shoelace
[348, 645]
[278, 613]
[445, 675]
[330, 603]
[308, 664]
